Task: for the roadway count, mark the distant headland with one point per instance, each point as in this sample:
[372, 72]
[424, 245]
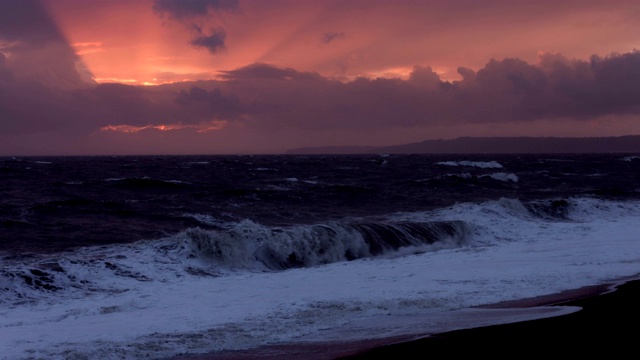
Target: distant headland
[493, 145]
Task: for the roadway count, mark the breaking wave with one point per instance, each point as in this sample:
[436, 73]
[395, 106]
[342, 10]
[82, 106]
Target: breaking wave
[119, 268]
[251, 245]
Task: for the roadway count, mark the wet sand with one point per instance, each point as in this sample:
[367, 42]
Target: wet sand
[608, 324]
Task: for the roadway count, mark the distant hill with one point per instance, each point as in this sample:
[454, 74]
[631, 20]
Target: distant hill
[493, 145]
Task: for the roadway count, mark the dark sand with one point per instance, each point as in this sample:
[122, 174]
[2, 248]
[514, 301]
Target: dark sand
[608, 324]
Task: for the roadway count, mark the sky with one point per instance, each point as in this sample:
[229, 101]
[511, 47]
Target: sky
[82, 77]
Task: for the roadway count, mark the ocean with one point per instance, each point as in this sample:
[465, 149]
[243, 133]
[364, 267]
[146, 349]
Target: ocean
[161, 256]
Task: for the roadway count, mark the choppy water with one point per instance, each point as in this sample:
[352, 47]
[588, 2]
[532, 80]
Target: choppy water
[206, 253]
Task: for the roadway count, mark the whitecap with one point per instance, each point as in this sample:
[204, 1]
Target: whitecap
[478, 164]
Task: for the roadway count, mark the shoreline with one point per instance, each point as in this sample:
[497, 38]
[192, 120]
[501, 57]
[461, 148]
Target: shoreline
[598, 323]
[606, 321]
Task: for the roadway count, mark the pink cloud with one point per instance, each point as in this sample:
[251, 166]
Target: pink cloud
[200, 128]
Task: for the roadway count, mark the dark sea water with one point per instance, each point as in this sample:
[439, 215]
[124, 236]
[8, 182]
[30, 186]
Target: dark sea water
[55, 203]
[158, 256]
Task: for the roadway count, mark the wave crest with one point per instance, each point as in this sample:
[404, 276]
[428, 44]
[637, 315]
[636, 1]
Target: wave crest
[250, 245]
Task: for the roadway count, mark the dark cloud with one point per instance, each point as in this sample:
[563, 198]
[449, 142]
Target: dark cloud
[35, 49]
[132, 105]
[508, 90]
[213, 42]
[265, 96]
[199, 105]
[27, 21]
[6, 75]
[616, 83]
[33, 108]
[512, 90]
[195, 13]
[260, 71]
[424, 76]
[189, 9]
[264, 99]
[332, 36]
[38, 70]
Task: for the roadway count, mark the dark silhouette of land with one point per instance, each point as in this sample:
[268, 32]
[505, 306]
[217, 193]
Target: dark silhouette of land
[493, 145]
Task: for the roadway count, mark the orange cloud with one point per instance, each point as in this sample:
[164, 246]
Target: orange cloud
[200, 128]
[83, 48]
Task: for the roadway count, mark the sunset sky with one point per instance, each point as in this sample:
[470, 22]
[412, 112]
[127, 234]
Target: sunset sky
[264, 76]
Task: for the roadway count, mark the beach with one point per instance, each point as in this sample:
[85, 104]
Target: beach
[605, 322]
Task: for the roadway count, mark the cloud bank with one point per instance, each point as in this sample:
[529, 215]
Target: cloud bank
[268, 99]
[49, 103]
[503, 91]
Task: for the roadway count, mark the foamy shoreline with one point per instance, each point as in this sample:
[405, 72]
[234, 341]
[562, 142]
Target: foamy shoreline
[506, 312]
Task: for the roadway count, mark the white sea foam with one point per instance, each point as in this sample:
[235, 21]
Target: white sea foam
[461, 176]
[155, 299]
[478, 164]
[176, 182]
[506, 177]
[264, 169]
